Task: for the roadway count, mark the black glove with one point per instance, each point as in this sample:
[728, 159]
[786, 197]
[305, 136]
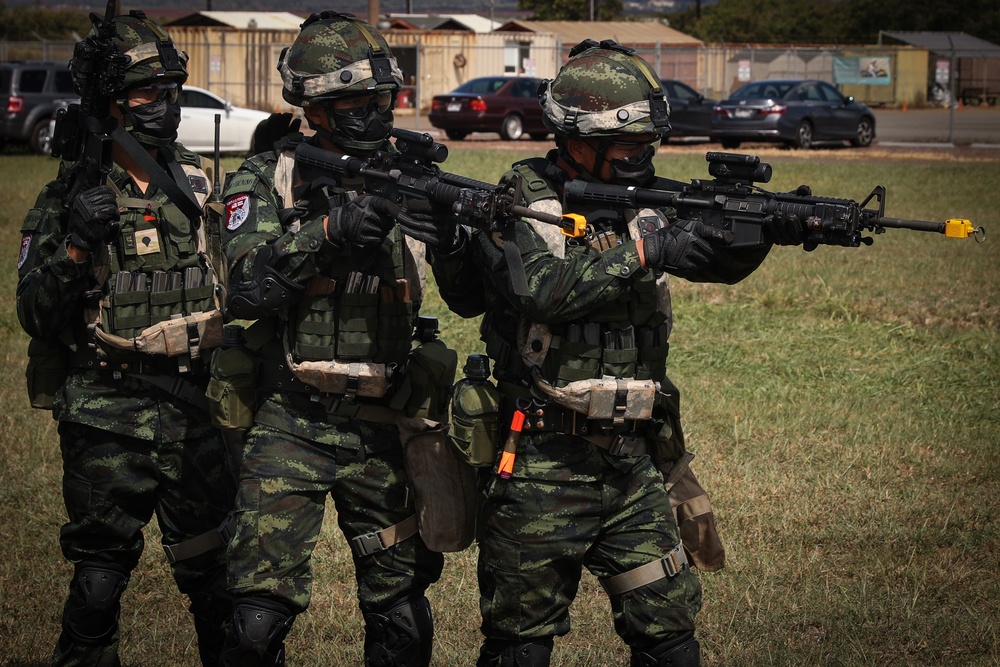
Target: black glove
[686, 245]
[365, 220]
[93, 218]
[434, 224]
[784, 228]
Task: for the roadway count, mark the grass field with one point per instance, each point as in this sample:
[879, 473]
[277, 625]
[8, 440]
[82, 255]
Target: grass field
[844, 406]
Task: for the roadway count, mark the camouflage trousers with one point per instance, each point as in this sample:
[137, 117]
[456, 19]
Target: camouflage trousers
[567, 506]
[291, 460]
[112, 487]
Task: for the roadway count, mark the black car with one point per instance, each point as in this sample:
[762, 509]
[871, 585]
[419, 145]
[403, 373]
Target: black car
[28, 93]
[796, 112]
[505, 104]
[690, 111]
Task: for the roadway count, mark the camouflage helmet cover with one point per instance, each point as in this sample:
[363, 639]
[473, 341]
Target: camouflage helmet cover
[151, 54]
[336, 55]
[604, 89]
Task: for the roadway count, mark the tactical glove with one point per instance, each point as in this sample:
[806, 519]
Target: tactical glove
[784, 228]
[93, 218]
[432, 223]
[363, 221]
[686, 245]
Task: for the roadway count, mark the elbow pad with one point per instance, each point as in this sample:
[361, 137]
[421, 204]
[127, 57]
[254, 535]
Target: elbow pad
[266, 293]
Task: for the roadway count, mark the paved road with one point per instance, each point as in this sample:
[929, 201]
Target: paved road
[962, 127]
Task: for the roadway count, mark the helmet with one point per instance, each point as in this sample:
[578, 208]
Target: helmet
[336, 55]
[603, 90]
[150, 53]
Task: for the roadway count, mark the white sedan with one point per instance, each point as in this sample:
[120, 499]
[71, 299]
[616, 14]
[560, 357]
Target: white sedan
[197, 129]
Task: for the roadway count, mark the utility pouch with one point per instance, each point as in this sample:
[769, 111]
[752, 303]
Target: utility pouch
[48, 368]
[694, 515]
[232, 387]
[428, 381]
[665, 430]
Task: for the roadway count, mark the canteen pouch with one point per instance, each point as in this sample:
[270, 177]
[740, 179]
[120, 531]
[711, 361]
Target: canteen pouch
[694, 515]
[475, 427]
[665, 431]
[232, 387]
[48, 368]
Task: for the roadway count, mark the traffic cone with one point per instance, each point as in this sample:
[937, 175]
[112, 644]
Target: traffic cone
[904, 106]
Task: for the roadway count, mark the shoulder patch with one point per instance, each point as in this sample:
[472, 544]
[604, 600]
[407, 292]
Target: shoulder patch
[237, 210]
[241, 182]
[198, 183]
[25, 246]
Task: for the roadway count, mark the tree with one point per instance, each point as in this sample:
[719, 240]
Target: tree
[573, 10]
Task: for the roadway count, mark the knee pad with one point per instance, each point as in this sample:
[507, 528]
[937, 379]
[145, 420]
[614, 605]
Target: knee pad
[256, 637]
[402, 637]
[497, 653]
[681, 652]
[91, 612]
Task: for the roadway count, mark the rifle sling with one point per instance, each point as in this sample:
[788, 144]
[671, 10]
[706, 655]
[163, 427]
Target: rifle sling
[518, 279]
[181, 195]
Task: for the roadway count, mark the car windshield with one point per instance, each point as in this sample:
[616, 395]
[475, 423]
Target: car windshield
[481, 86]
[764, 90]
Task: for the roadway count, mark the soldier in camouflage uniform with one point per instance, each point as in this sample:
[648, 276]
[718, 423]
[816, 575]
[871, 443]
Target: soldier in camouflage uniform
[333, 287]
[578, 336]
[133, 429]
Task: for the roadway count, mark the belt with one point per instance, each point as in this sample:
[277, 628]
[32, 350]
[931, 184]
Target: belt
[622, 440]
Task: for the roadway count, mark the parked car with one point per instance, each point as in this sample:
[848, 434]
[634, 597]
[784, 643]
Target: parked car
[797, 112]
[690, 111]
[197, 129]
[505, 104]
[28, 92]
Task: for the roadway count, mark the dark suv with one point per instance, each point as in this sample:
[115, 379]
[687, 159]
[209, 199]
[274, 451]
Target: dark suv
[28, 91]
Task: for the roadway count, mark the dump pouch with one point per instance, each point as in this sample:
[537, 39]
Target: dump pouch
[444, 488]
[191, 334]
[694, 515]
[48, 368]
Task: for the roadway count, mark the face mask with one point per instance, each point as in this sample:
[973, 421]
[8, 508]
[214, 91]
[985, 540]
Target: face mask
[362, 130]
[155, 124]
[637, 171]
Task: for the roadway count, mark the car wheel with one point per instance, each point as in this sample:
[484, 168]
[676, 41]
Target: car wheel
[539, 136]
[730, 143]
[804, 135]
[864, 134]
[40, 139]
[456, 135]
[512, 128]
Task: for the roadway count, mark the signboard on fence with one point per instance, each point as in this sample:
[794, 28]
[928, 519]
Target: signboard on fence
[862, 70]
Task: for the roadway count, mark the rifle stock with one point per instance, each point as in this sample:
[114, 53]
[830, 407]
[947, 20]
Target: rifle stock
[733, 203]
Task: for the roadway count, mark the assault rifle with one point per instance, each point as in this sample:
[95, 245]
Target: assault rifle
[413, 173]
[83, 131]
[734, 204]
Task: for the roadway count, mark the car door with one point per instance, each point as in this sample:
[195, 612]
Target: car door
[524, 99]
[197, 130]
[814, 105]
[689, 115]
[844, 116]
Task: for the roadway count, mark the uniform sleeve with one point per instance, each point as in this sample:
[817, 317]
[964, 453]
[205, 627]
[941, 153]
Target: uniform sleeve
[559, 289]
[252, 233]
[50, 283]
[459, 278]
